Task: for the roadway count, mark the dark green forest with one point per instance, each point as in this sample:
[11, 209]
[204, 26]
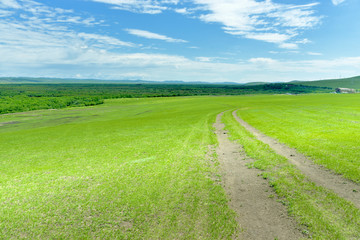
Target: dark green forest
[27, 97]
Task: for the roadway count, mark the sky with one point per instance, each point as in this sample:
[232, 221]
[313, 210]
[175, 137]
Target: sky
[173, 40]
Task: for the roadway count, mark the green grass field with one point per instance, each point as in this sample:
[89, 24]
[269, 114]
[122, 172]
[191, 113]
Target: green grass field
[324, 127]
[137, 168]
[132, 169]
[323, 214]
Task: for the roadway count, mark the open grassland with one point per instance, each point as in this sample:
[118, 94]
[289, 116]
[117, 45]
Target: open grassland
[324, 214]
[137, 168]
[324, 127]
[130, 169]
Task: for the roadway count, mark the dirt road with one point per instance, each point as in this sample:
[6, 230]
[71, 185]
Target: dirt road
[259, 214]
[317, 174]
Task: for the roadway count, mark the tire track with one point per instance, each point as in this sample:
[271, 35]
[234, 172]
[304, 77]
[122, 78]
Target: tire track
[317, 174]
[259, 214]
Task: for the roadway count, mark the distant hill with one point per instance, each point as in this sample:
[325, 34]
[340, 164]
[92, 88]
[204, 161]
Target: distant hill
[27, 80]
[353, 82]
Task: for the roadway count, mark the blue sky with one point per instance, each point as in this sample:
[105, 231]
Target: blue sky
[190, 40]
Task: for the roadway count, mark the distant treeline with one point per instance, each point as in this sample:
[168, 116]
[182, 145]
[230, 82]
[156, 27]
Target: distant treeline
[26, 97]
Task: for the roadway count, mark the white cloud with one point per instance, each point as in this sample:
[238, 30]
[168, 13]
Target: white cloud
[38, 13]
[141, 6]
[9, 4]
[304, 41]
[261, 20]
[204, 59]
[182, 10]
[4, 13]
[337, 2]
[268, 37]
[38, 38]
[78, 20]
[72, 54]
[99, 63]
[105, 40]
[62, 11]
[262, 61]
[288, 45]
[151, 35]
[297, 16]
[314, 53]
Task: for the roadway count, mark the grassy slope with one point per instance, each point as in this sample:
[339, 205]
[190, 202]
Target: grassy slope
[325, 215]
[133, 169]
[353, 82]
[324, 127]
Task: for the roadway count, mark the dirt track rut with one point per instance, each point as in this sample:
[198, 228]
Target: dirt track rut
[319, 175]
[259, 214]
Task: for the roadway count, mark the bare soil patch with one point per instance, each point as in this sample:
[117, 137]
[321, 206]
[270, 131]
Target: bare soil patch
[319, 175]
[259, 214]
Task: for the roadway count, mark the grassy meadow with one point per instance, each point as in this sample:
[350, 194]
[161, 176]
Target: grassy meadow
[322, 214]
[138, 168]
[324, 127]
[130, 169]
